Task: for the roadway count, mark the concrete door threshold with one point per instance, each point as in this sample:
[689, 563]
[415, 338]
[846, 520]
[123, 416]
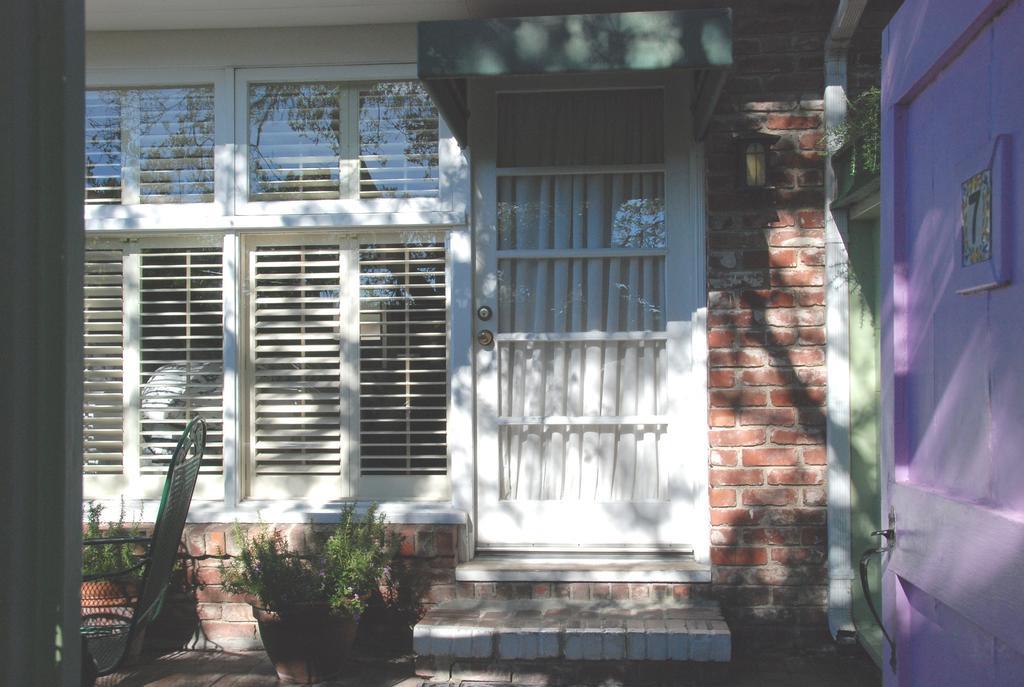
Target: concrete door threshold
[550, 567]
[484, 636]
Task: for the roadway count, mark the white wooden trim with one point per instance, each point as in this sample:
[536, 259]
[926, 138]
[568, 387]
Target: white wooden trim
[837, 321]
[462, 319]
[124, 221]
[233, 472]
[131, 370]
[581, 253]
[297, 511]
[582, 336]
[652, 168]
[631, 421]
[349, 407]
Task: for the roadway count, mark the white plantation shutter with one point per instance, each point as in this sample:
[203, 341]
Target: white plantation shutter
[294, 141]
[175, 145]
[103, 411]
[181, 349]
[398, 142]
[403, 355]
[296, 382]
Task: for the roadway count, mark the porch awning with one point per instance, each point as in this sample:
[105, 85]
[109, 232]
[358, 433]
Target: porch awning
[450, 52]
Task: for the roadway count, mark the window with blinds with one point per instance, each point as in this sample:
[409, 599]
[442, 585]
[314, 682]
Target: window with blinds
[294, 141]
[153, 354]
[102, 147]
[103, 391]
[181, 349]
[310, 141]
[175, 145]
[398, 142]
[296, 383]
[403, 356]
[149, 145]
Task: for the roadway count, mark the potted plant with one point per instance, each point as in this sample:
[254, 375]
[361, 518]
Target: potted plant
[395, 606]
[307, 605]
[856, 146]
[111, 594]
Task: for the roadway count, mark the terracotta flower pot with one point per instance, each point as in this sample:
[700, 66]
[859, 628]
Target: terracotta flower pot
[306, 643]
[108, 596]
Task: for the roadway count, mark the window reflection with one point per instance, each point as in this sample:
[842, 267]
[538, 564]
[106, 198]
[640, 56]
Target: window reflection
[167, 132]
[300, 148]
[398, 142]
[294, 141]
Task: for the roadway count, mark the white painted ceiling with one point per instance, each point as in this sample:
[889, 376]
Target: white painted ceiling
[132, 15]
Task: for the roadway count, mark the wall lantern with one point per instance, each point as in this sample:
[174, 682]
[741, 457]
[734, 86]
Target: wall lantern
[752, 158]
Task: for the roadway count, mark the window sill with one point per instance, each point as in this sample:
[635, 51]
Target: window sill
[398, 512]
[277, 222]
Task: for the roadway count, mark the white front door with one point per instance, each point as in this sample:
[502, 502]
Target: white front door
[591, 406]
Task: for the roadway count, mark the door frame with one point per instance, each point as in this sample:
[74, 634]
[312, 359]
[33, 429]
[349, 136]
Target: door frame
[684, 163]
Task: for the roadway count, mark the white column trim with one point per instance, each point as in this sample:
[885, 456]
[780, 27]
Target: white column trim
[837, 319]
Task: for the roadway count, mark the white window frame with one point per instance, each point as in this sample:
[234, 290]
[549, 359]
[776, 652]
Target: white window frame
[344, 211]
[349, 483]
[226, 498]
[131, 480]
[132, 216]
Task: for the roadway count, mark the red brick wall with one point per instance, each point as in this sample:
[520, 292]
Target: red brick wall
[766, 334]
[766, 316]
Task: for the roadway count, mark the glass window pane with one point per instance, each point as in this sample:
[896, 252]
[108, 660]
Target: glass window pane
[167, 133]
[294, 141]
[582, 211]
[102, 147]
[580, 128]
[175, 145]
[398, 141]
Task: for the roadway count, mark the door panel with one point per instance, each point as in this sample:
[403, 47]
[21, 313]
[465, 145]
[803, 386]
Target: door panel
[953, 390]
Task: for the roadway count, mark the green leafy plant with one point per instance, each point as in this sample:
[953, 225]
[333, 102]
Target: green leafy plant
[862, 129]
[342, 572]
[355, 556]
[403, 585]
[108, 558]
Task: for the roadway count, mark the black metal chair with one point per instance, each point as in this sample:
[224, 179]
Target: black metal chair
[109, 631]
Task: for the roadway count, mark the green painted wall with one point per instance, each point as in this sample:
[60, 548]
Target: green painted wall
[864, 408]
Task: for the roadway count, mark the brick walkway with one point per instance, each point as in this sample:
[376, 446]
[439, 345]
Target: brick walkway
[251, 669]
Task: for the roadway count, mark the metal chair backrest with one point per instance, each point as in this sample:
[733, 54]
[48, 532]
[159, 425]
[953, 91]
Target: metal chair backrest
[182, 474]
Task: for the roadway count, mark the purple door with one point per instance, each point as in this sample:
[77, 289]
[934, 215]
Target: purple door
[953, 341]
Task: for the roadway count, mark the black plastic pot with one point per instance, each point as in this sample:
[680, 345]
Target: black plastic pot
[306, 644]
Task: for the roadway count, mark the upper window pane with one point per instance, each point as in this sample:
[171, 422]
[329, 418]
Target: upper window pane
[149, 145]
[397, 142]
[175, 145]
[102, 147]
[618, 127]
[329, 141]
[294, 141]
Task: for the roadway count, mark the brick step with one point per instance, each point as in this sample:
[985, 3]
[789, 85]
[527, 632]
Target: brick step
[476, 630]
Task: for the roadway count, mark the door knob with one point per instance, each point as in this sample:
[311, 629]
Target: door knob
[485, 337]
